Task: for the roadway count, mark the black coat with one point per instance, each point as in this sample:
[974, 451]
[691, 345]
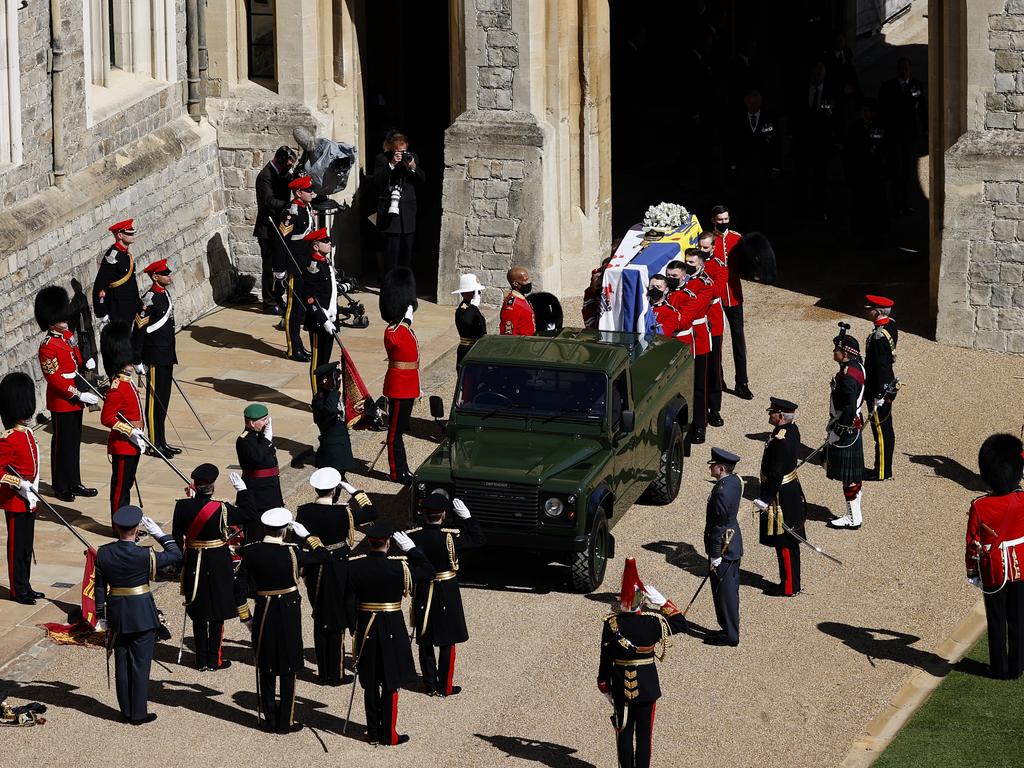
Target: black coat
[755, 152]
[335, 449]
[904, 108]
[378, 578]
[879, 356]
[624, 638]
[445, 623]
[116, 279]
[207, 576]
[779, 460]
[272, 197]
[720, 516]
[269, 567]
[256, 452]
[333, 604]
[125, 564]
[153, 333]
[471, 324]
[293, 223]
[384, 178]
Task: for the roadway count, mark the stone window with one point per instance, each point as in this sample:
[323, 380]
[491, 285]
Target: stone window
[130, 51]
[261, 38]
[10, 85]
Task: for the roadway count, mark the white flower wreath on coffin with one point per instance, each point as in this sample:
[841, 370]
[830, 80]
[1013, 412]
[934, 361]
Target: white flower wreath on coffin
[665, 216]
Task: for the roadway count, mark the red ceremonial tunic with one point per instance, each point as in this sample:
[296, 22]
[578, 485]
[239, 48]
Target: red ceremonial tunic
[517, 316]
[995, 521]
[734, 287]
[719, 273]
[60, 359]
[693, 321]
[19, 449]
[402, 380]
[667, 317]
[123, 397]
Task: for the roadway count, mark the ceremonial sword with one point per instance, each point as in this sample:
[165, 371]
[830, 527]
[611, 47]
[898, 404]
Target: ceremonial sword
[815, 547]
[728, 540]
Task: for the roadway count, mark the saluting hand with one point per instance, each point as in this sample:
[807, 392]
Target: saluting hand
[460, 508]
[403, 541]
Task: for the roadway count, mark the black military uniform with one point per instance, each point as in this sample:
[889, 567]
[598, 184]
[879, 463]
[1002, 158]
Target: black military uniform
[320, 296]
[153, 345]
[382, 649]
[257, 457]
[115, 294]
[472, 325]
[123, 573]
[880, 385]
[844, 456]
[627, 671]
[335, 448]
[272, 568]
[294, 223]
[332, 602]
[437, 604]
[723, 539]
[781, 499]
[200, 527]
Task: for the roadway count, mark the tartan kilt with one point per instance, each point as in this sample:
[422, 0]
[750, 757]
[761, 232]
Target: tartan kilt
[846, 463]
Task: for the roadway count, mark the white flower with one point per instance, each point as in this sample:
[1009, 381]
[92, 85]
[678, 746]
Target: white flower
[665, 216]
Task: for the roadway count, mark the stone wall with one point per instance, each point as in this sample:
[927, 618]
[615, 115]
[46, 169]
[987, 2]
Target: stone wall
[499, 57]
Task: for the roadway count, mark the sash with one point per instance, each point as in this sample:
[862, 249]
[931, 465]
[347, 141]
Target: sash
[128, 275]
[201, 519]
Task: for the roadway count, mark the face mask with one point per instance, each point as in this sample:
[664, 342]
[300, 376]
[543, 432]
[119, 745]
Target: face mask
[707, 253]
[655, 294]
[723, 227]
[672, 282]
[690, 269]
[526, 289]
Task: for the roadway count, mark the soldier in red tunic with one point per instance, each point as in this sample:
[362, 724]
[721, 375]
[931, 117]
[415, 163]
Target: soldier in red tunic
[726, 240]
[402, 380]
[719, 274]
[692, 301]
[125, 441]
[61, 361]
[665, 314]
[19, 452]
[995, 552]
[516, 312]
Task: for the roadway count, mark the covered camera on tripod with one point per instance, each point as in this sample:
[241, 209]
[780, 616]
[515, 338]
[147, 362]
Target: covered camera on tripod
[353, 315]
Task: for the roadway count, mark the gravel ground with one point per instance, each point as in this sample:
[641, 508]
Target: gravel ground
[809, 673]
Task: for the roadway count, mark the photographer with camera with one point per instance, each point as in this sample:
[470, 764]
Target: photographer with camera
[272, 197]
[396, 176]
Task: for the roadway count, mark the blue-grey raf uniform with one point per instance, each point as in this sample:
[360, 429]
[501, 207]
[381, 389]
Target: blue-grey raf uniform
[723, 506]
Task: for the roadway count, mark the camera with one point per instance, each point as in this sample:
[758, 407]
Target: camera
[354, 313]
[396, 197]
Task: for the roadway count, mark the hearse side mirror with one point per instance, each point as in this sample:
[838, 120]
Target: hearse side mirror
[627, 422]
[436, 407]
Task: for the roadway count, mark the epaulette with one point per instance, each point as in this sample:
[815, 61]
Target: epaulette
[781, 434]
[453, 531]
[244, 433]
[111, 257]
[356, 557]
[313, 269]
[414, 530]
[708, 280]
[612, 620]
[397, 557]
[147, 299]
[115, 383]
[690, 293]
[6, 433]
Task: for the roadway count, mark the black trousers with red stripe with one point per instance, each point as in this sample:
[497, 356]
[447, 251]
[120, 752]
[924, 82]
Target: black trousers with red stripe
[122, 476]
[399, 412]
[437, 671]
[715, 375]
[209, 637]
[65, 450]
[21, 533]
[636, 733]
[380, 702]
[789, 569]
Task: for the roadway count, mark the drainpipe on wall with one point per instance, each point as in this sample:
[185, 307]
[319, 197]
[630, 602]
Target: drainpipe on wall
[57, 91]
[192, 51]
[204, 57]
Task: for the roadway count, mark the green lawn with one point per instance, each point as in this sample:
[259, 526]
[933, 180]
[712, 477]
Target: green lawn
[970, 720]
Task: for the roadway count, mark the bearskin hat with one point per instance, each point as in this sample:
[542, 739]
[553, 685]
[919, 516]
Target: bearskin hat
[116, 347]
[755, 257]
[397, 292]
[1001, 462]
[17, 398]
[52, 306]
[547, 311]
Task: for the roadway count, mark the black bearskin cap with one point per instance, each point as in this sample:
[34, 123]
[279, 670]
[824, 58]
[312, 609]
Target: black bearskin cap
[17, 398]
[397, 292]
[755, 257]
[547, 311]
[52, 306]
[116, 347]
[1001, 462]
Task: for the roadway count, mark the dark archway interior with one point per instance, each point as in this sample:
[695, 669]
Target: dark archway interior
[406, 87]
[679, 74]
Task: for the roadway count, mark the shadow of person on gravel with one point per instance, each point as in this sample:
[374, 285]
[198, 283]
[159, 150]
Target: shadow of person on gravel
[224, 338]
[543, 752]
[950, 469]
[685, 556]
[886, 644]
[251, 392]
[56, 694]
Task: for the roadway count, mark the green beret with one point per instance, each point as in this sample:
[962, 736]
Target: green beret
[255, 411]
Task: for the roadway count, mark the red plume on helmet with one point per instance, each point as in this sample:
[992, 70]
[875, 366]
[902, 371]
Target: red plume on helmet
[631, 595]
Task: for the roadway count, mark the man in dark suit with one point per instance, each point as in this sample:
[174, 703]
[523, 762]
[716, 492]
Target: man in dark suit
[754, 158]
[904, 111]
[814, 107]
[126, 608]
[272, 197]
[397, 177]
[723, 544]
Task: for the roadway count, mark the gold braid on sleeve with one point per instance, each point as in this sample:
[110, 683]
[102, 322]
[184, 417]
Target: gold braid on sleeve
[406, 579]
[666, 632]
[351, 527]
[452, 558]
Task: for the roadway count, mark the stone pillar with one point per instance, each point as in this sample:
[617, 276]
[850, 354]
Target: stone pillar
[298, 67]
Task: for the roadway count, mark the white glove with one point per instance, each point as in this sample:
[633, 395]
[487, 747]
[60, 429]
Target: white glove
[104, 320]
[88, 398]
[409, 311]
[299, 529]
[25, 489]
[237, 481]
[90, 364]
[974, 581]
[654, 597]
[879, 402]
[330, 327]
[101, 625]
[280, 275]
[716, 562]
[138, 437]
[349, 488]
[475, 301]
[760, 504]
[32, 500]
[140, 368]
[268, 431]
[149, 526]
[460, 508]
[403, 541]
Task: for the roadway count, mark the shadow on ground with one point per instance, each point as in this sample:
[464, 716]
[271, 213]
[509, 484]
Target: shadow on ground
[877, 643]
[543, 752]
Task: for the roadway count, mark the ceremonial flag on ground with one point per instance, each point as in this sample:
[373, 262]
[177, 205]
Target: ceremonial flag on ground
[624, 305]
[82, 631]
[354, 391]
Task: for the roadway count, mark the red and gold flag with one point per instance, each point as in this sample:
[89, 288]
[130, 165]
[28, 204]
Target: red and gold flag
[83, 631]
